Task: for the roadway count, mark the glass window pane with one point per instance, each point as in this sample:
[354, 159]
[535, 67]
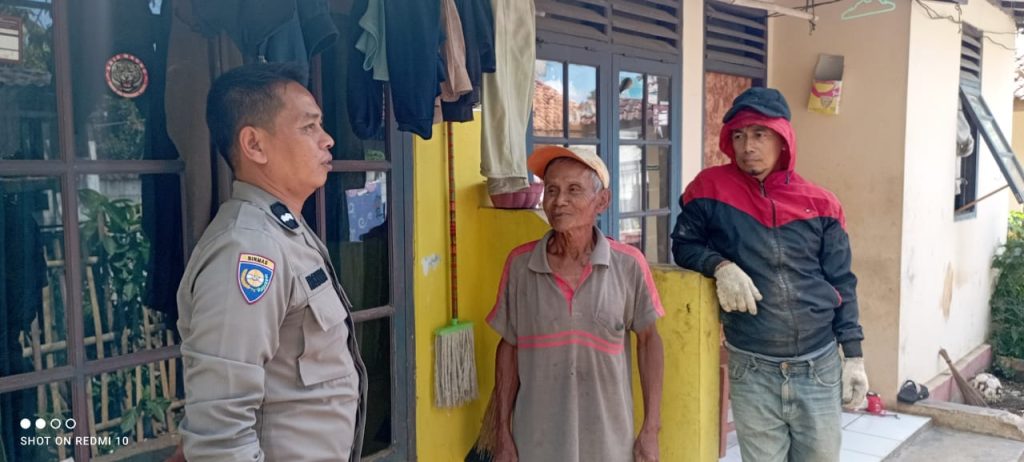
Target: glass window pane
[631, 94]
[37, 424]
[375, 347]
[119, 81]
[659, 92]
[630, 232]
[658, 177]
[656, 240]
[28, 121]
[358, 234]
[582, 101]
[135, 404]
[132, 260]
[631, 179]
[33, 327]
[548, 101]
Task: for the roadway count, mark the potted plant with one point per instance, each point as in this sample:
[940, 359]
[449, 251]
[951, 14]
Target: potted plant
[1008, 302]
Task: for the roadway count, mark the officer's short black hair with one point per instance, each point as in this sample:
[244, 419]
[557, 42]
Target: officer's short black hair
[247, 96]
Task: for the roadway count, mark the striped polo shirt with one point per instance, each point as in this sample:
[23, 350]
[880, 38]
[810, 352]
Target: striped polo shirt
[575, 399]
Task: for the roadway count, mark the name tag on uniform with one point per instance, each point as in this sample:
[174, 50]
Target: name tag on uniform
[254, 276]
[316, 279]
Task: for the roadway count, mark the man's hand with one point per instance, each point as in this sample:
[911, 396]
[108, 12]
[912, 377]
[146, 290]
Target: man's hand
[736, 292]
[855, 383]
[505, 449]
[646, 447]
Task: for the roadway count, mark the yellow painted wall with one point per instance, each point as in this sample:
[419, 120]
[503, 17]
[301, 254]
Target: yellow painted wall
[485, 236]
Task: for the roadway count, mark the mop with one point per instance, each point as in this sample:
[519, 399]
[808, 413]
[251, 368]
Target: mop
[454, 354]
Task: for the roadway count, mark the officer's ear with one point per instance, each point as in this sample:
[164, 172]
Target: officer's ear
[252, 145]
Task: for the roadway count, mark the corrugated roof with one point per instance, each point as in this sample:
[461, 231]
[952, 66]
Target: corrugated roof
[20, 76]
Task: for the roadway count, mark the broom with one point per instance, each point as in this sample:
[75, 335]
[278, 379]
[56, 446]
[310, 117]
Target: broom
[454, 354]
[971, 395]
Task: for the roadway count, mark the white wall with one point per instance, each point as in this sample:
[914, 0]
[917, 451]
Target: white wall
[857, 154]
[693, 90]
[945, 277]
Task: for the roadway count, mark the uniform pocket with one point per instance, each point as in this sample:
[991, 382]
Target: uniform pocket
[325, 354]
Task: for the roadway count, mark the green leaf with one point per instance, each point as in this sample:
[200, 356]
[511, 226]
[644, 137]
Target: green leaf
[128, 420]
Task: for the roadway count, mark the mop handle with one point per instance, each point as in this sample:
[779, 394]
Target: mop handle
[451, 223]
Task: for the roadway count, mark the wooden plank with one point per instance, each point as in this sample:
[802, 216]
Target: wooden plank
[549, 7]
[735, 34]
[733, 45]
[632, 25]
[650, 44]
[564, 27]
[646, 12]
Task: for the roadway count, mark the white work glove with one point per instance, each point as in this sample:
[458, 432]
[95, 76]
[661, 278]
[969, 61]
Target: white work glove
[855, 383]
[736, 292]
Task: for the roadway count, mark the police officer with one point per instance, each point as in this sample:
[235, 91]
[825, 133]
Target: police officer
[272, 370]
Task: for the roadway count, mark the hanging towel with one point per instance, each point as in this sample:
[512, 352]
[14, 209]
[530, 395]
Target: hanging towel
[372, 41]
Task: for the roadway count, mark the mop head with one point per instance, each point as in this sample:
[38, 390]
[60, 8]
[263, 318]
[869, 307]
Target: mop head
[454, 365]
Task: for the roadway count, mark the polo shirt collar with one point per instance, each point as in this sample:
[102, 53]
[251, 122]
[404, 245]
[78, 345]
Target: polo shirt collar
[601, 255]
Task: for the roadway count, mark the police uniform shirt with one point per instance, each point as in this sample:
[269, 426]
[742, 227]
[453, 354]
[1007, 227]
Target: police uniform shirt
[271, 369]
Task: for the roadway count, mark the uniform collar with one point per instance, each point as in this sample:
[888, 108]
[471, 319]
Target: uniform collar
[601, 255]
[267, 202]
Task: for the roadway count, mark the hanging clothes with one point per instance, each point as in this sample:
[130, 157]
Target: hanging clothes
[415, 67]
[508, 97]
[365, 96]
[270, 30]
[454, 53]
[478, 35]
[372, 42]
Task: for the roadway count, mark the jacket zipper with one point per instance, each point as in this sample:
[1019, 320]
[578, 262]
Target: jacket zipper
[777, 245]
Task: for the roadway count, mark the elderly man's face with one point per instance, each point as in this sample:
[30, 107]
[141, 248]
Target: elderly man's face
[572, 198]
[757, 150]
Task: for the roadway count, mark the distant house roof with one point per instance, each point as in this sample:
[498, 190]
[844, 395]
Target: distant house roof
[19, 76]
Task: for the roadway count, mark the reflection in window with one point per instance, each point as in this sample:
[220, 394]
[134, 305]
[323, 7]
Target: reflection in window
[582, 101]
[548, 100]
[118, 70]
[358, 235]
[40, 412]
[631, 93]
[33, 331]
[131, 261]
[659, 90]
[631, 179]
[28, 121]
[375, 347]
[135, 404]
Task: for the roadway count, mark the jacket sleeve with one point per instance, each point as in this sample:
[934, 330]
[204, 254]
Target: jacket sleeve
[835, 259]
[225, 343]
[690, 243]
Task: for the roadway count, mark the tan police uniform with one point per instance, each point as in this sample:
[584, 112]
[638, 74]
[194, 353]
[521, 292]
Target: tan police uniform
[272, 371]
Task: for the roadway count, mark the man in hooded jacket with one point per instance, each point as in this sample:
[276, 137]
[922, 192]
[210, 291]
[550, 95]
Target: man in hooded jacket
[777, 247]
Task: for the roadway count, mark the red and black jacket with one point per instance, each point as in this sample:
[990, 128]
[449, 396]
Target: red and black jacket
[788, 235]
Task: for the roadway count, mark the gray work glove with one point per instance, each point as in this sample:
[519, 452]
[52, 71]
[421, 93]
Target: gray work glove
[855, 383]
[736, 292]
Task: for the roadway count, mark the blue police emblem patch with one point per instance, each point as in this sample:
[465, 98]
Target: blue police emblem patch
[254, 276]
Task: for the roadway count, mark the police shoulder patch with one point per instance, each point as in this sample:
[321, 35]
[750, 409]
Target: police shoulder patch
[254, 276]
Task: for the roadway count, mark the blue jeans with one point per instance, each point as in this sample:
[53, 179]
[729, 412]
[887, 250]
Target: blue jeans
[787, 409]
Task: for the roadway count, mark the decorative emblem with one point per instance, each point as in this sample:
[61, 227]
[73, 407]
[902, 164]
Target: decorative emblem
[126, 75]
[254, 276]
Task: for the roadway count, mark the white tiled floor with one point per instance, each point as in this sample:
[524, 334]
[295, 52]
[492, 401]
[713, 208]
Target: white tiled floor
[866, 438]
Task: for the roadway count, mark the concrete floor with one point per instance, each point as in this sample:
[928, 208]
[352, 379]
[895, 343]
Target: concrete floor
[941, 444]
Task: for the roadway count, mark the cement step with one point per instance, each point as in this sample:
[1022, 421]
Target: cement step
[942, 444]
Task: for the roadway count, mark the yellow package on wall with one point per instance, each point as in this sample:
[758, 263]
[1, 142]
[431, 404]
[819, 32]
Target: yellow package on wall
[827, 86]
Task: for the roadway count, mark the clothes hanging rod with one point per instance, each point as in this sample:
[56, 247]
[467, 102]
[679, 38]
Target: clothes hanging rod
[773, 8]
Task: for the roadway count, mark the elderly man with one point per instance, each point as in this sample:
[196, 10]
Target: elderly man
[778, 248]
[564, 309]
[272, 370]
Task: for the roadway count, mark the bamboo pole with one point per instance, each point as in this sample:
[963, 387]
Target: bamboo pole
[37, 363]
[97, 324]
[138, 399]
